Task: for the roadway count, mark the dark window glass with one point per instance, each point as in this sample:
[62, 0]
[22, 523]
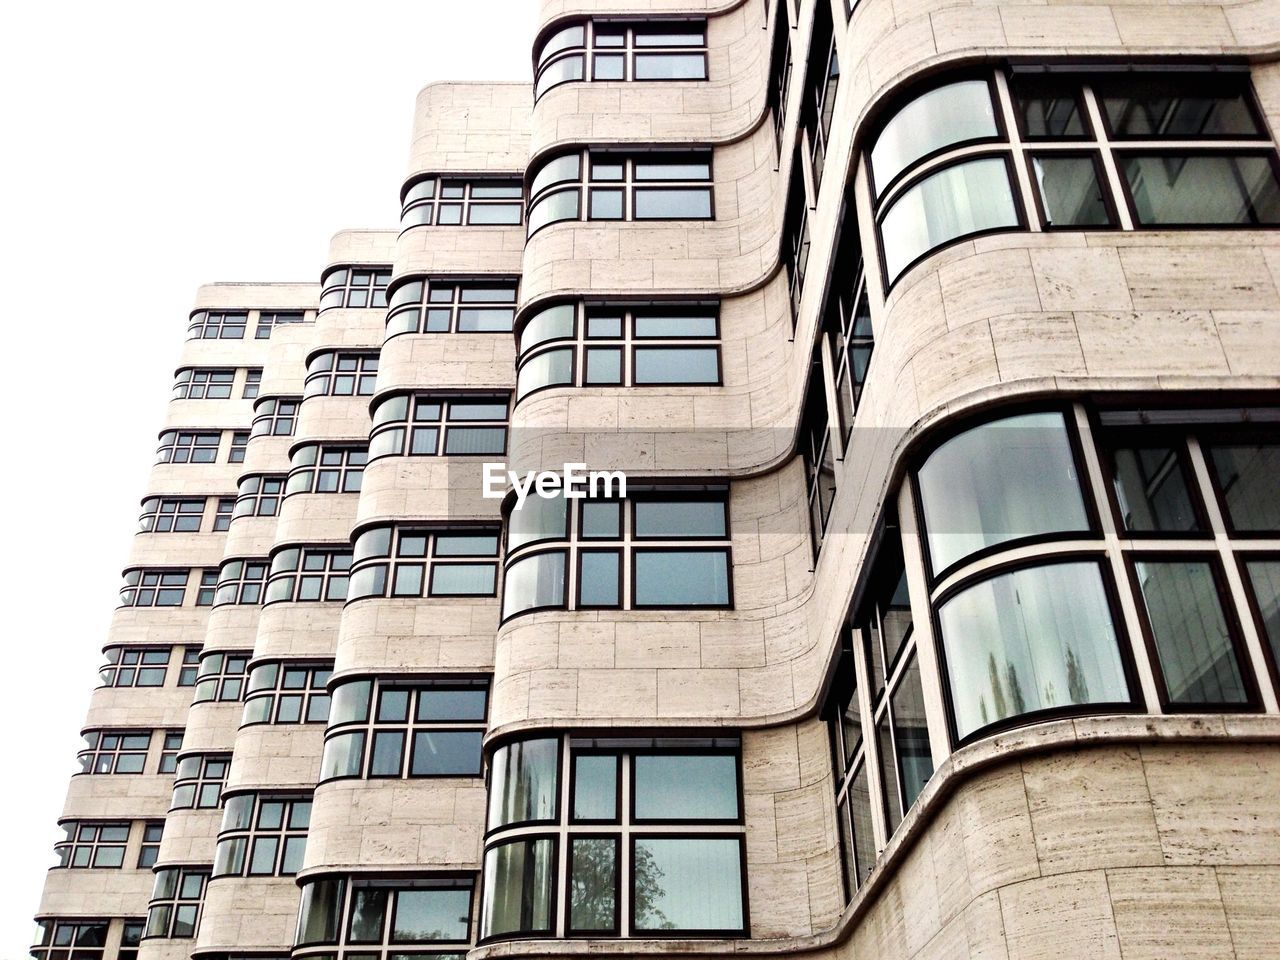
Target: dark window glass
[1202, 188]
[1249, 477]
[1176, 107]
[593, 884]
[520, 878]
[1264, 577]
[595, 787]
[692, 883]
[1070, 191]
[1151, 489]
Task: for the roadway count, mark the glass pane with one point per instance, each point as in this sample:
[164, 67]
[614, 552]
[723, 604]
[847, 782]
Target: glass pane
[523, 785]
[518, 879]
[668, 578]
[1196, 654]
[553, 323]
[1069, 192]
[368, 912]
[604, 365]
[599, 584]
[1049, 108]
[1001, 481]
[669, 327]
[960, 200]
[554, 367]
[1264, 576]
[601, 519]
[688, 884]
[263, 861]
[595, 787]
[554, 207]
[593, 884]
[605, 204]
[1202, 188]
[558, 170]
[446, 753]
[952, 114]
[670, 66]
[436, 704]
[662, 519]
[1031, 640]
[677, 365]
[388, 750]
[342, 756]
[689, 787]
[423, 916]
[675, 204]
[864, 843]
[1151, 489]
[1249, 477]
[911, 735]
[1175, 107]
[463, 441]
[538, 518]
[318, 912]
[534, 582]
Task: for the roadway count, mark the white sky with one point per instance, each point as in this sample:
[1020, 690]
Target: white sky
[148, 148]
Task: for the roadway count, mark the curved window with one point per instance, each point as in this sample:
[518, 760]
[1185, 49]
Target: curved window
[170, 515]
[609, 185]
[426, 305]
[183, 446]
[135, 667]
[410, 728]
[286, 692]
[341, 375]
[308, 574]
[955, 114]
[370, 918]
[668, 345]
[154, 588]
[1005, 480]
[274, 417]
[220, 678]
[364, 286]
[519, 883]
[217, 325]
[240, 581]
[203, 384]
[174, 911]
[259, 496]
[439, 425]
[524, 785]
[262, 836]
[317, 468]
[480, 201]
[198, 781]
[1041, 638]
[621, 51]
[425, 562]
[970, 197]
[534, 583]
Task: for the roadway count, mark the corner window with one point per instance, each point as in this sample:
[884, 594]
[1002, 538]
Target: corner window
[605, 50]
[410, 729]
[662, 818]
[481, 201]
[355, 287]
[274, 417]
[241, 581]
[414, 562]
[176, 900]
[283, 692]
[439, 425]
[439, 305]
[198, 781]
[92, 845]
[308, 574]
[372, 919]
[154, 588]
[325, 468]
[268, 320]
[262, 836]
[184, 446]
[203, 384]
[171, 515]
[135, 667]
[341, 375]
[217, 325]
[220, 678]
[259, 495]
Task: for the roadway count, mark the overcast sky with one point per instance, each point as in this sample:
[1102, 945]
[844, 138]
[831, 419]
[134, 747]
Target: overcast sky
[150, 148]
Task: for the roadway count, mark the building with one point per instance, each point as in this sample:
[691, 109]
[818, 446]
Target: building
[940, 345]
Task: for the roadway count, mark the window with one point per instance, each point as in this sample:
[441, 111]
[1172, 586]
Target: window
[607, 185]
[170, 515]
[601, 344]
[355, 287]
[63, 939]
[480, 201]
[259, 496]
[262, 836]
[114, 751]
[274, 417]
[316, 468]
[436, 424]
[203, 384]
[822, 77]
[371, 919]
[176, 899]
[852, 753]
[287, 692]
[654, 549]
[1181, 150]
[605, 50]
[240, 582]
[424, 305]
[1246, 477]
[1003, 481]
[385, 728]
[403, 561]
[816, 452]
[154, 588]
[780, 66]
[169, 755]
[190, 663]
[222, 516]
[252, 382]
[92, 845]
[796, 241]
[221, 677]
[662, 817]
[341, 375]
[268, 320]
[239, 441]
[217, 325]
[149, 850]
[184, 446]
[199, 780]
[135, 667]
[308, 574]
[206, 590]
[846, 320]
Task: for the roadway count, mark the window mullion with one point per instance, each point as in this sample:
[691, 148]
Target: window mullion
[1116, 183]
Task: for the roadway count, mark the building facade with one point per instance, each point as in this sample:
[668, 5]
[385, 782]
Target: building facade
[939, 344]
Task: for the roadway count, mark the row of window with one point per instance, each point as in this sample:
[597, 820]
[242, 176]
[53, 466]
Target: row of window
[1179, 150]
[166, 588]
[334, 374]
[438, 424]
[354, 287]
[480, 201]
[262, 835]
[400, 561]
[607, 185]
[619, 50]
[375, 918]
[422, 304]
[654, 549]
[231, 324]
[201, 446]
[209, 383]
[184, 514]
[126, 751]
[85, 940]
[147, 666]
[577, 344]
[97, 845]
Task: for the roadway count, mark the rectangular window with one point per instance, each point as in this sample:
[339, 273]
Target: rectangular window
[135, 667]
[269, 320]
[422, 304]
[262, 836]
[154, 588]
[341, 375]
[308, 575]
[355, 287]
[217, 325]
[287, 692]
[453, 202]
